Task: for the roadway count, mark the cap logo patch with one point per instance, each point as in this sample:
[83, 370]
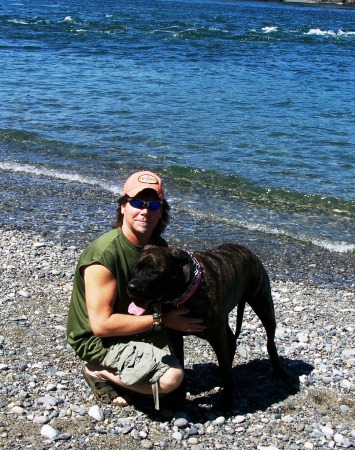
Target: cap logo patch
[149, 179]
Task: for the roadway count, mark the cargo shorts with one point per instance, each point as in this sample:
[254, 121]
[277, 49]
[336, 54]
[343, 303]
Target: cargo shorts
[137, 361]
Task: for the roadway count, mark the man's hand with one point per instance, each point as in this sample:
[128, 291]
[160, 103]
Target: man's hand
[177, 320]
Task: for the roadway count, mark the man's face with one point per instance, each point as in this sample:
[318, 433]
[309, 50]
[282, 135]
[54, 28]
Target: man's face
[141, 221]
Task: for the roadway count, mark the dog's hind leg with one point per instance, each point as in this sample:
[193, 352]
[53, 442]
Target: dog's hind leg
[263, 307]
[232, 343]
[240, 314]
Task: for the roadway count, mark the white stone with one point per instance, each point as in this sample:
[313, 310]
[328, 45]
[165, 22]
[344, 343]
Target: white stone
[96, 413]
[271, 447]
[177, 436]
[299, 308]
[302, 337]
[23, 293]
[327, 431]
[348, 352]
[287, 418]
[17, 410]
[338, 438]
[242, 351]
[239, 419]
[279, 332]
[41, 420]
[345, 384]
[49, 432]
[219, 421]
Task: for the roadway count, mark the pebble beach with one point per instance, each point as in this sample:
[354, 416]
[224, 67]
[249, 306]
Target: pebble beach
[45, 403]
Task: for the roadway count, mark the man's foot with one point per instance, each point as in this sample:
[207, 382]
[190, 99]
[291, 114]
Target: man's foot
[106, 392]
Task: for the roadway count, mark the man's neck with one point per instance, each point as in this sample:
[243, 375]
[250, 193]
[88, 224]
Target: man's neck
[140, 240]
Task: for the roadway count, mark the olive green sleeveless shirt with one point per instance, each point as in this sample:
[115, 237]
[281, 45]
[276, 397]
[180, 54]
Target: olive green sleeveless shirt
[114, 251]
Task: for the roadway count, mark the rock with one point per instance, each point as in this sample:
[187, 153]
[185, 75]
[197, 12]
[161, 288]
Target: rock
[41, 420]
[17, 410]
[41, 382]
[181, 422]
[96, 413]
[47, 401]
[219, 421]
[49, 432]
[177, 435]
[344, 408]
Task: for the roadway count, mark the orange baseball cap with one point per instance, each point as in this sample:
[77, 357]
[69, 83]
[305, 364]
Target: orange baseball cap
[143, 180]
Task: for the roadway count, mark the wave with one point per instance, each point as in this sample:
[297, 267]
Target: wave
[270, 229]
[66, 176]
[235, 187]
[339, 33]
[336, 247]
[270, 29]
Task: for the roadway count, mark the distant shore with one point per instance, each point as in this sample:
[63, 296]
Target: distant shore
[322, 2]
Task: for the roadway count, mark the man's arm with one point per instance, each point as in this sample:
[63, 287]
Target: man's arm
[100, 293]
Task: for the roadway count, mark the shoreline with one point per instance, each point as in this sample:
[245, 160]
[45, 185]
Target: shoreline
[41, 387]
[67, 213]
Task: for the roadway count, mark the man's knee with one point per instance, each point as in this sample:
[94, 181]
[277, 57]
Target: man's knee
[171, 380]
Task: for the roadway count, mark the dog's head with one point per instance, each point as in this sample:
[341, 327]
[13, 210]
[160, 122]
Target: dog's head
[160, 274]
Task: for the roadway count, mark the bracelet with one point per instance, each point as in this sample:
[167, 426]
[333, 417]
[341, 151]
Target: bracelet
[157, 324]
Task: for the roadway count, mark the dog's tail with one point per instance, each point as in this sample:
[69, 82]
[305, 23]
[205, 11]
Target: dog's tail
[240, 314]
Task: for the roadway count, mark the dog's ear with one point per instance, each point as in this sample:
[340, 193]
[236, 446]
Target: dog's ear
[181, 257]
[183, 261]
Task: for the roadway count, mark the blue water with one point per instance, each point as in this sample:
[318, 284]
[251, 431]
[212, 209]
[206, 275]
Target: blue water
[245, 108]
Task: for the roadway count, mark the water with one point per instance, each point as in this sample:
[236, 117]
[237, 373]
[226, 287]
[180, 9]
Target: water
[245, 108]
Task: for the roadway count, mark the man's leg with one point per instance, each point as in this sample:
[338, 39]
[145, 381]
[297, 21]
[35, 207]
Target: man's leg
[138, 367]
[168, 382]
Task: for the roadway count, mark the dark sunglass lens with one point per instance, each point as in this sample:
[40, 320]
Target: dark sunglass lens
[136, 203]
[154, 205]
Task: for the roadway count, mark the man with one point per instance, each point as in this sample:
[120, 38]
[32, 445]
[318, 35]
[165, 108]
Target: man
[123, 351]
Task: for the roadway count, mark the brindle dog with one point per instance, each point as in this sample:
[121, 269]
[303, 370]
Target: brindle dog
[211, 284]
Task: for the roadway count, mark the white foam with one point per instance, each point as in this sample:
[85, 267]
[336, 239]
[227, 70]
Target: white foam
[319, 32]
[336, 247]
[19, 22]
[75, 177]
[269, 29]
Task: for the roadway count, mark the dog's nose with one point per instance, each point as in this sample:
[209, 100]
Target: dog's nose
[134, 286]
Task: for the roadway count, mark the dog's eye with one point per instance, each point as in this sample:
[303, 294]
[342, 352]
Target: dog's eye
[155, 273]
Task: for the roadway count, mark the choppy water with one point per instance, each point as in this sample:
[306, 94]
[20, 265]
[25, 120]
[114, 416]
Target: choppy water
[245, 108]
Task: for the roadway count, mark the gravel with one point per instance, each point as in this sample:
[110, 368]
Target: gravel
[45, 403]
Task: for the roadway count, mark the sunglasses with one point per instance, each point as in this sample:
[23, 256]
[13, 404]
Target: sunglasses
[153, 205]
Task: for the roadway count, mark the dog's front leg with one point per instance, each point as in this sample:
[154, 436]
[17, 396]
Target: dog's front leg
[219, 343]
[176, 344]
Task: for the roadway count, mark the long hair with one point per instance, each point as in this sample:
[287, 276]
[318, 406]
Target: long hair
[163, 221]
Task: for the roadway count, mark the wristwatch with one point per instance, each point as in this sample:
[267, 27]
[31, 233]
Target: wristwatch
[157, 324]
